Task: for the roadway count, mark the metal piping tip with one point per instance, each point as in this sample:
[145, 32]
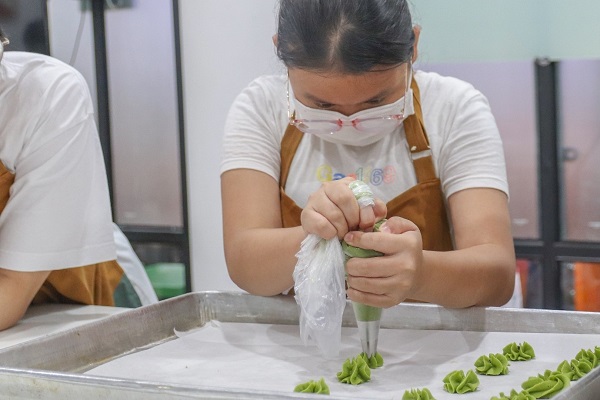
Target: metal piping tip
[369, 334]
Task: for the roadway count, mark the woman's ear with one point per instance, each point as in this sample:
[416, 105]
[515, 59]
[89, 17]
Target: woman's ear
[275, 39]
[417, 31]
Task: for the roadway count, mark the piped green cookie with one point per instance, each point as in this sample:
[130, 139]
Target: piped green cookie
[518, 352]
[546, 385]
[459, 382]
[319, 387]
[375, 361]
[418, 394]
[494, 364]
[514, 395]
[355, 371]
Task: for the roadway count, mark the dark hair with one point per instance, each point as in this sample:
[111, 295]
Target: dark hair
[347, 36]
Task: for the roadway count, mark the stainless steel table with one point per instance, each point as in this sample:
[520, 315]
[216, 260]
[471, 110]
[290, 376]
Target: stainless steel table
[53, 366]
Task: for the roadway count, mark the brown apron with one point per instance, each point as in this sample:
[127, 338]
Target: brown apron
[93, 284]
[423, 204]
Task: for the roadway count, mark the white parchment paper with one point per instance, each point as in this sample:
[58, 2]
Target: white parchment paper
[273, 358]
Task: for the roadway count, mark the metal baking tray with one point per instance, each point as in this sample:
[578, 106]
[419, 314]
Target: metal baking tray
[52, 367]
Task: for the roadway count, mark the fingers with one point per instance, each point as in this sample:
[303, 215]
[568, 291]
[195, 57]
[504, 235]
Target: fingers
[392, 285]
[387, 280]
[331, 211]
[370, 215]
[366, 219]
[380, 209]
[384, 300]
[404, 235]
[398, 225]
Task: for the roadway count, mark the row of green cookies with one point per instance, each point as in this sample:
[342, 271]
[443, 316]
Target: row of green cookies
[548, 384]
[542, 386]
[354, 371]
[357, 370]
[492, 364]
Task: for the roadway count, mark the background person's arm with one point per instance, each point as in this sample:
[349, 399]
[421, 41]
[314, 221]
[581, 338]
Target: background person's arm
[17, 289]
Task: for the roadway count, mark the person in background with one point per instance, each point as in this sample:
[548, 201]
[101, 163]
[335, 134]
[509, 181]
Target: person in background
[57, 239]
[351, 106]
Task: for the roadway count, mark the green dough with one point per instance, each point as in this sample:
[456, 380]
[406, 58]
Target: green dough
[319, 387]
[355, 371]
[353, 251]
[582, 364]
[575, 369]
[494, 364]
[458, 382]
[589, 356]
[418, 394]
[523, 395]
[518, 352]
[364, 312]
[547, 385]
[375, 361]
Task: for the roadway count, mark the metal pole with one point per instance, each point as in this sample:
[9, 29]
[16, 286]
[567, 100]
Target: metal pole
[549, 191]
[102, 91]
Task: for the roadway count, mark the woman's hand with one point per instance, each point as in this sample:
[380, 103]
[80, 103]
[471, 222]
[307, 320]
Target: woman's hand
[390, 279]
[333, 211]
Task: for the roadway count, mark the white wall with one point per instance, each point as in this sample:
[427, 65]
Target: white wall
[507, 30]
[143, 102]
[64, 18]
[226, 43]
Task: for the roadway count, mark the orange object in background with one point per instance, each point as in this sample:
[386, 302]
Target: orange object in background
[586, 282]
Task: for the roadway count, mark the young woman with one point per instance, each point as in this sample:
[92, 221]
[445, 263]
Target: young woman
[351, 107]
[57, 240]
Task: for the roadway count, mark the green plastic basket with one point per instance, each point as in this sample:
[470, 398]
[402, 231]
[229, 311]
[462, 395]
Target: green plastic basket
[168, 279]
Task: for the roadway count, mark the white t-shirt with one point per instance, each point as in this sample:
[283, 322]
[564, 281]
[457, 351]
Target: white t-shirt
[58, 213]
[463, 136]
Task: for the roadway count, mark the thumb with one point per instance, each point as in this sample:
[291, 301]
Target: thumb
[398, 225]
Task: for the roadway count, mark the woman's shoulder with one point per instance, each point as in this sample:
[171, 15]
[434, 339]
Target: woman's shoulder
[37, 77]
[265, 88]
[264, 98]
[433, 85]
[32, 71]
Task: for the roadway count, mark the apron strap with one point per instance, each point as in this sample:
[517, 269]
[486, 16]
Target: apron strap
[417, 140]
[289, 145]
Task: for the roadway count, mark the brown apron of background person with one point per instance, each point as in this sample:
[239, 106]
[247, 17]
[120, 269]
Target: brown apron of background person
[98, 284]
[423, 204]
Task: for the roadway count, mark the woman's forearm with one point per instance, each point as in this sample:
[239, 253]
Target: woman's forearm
[482, 275]
[17, 289]
[261, 261]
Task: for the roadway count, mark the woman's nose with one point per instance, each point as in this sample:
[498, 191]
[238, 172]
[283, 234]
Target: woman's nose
[349, 110]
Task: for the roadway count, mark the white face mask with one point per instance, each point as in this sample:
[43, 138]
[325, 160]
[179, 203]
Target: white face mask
[359, 129]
